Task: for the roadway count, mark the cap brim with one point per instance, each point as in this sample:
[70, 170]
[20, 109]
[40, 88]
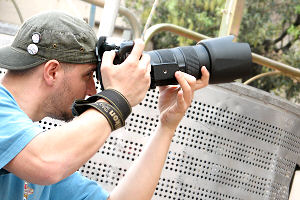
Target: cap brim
[15, 59]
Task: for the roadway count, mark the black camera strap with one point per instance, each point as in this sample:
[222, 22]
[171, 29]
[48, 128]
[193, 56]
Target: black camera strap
[116, 99]
[112, 115]
[98, 75]
[115, 111]
[99, 53]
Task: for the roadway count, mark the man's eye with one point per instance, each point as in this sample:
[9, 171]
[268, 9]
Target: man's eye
[90, 75]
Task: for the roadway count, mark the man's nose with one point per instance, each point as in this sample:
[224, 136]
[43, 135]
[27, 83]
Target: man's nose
[91, 88]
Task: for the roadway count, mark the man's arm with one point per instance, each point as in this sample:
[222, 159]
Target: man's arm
[57, 153]
[140, 181]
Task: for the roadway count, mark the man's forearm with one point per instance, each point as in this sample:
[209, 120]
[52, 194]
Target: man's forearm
[57, 153]
[140, 181]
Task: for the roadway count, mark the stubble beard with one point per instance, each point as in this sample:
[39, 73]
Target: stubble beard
[56, 104]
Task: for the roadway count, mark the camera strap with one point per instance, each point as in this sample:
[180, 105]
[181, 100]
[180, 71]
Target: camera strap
[115, 111]
[113, 117]
[99, 50]
[99, 76]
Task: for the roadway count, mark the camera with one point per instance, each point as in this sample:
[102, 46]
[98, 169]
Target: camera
[225, 60]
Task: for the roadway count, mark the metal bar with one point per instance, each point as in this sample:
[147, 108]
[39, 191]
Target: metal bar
[232, 17]
[174, 29]
[18, 10]
[262, 75]
[261, 60]
[148, 22]
[284, 68]
[92, 15]
[108, 19]
[132, 19]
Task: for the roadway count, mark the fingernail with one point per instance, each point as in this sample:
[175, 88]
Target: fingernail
[179, 73]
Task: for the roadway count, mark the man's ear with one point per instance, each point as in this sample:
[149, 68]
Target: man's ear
[52, 69]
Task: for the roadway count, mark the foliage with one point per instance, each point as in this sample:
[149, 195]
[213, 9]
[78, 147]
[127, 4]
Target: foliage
[274, 32]
[198, 15]
[271, 27]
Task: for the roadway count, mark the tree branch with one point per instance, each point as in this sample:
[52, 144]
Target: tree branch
[287, 46]
[284, 33]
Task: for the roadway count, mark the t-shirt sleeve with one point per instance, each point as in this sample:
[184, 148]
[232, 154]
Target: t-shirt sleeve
[16, 129]
[78, 187]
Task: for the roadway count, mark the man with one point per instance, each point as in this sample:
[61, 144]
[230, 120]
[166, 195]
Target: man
[50, 65]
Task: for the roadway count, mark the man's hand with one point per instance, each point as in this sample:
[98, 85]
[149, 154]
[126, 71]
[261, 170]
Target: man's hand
[132, 77]
[175, 100]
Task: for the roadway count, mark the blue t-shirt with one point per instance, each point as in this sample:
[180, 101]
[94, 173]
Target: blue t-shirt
[16, 131]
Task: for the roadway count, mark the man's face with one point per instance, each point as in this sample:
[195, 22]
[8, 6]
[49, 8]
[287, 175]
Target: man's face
[77, 83]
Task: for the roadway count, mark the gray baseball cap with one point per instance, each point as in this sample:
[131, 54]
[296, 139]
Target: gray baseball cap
[50, 35]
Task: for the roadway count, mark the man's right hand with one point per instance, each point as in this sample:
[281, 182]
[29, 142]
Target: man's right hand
[132, 77]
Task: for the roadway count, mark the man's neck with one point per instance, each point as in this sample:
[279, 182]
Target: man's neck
[27, 94]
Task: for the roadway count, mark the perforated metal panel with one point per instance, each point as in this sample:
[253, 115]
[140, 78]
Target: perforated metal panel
[235, 142]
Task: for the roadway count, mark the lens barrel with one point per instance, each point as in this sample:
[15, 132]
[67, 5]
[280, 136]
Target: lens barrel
[225, 60]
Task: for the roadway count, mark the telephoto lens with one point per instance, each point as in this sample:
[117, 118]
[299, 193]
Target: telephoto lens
[225, 60]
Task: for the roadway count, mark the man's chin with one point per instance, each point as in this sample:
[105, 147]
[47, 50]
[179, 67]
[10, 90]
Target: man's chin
[66, 117]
